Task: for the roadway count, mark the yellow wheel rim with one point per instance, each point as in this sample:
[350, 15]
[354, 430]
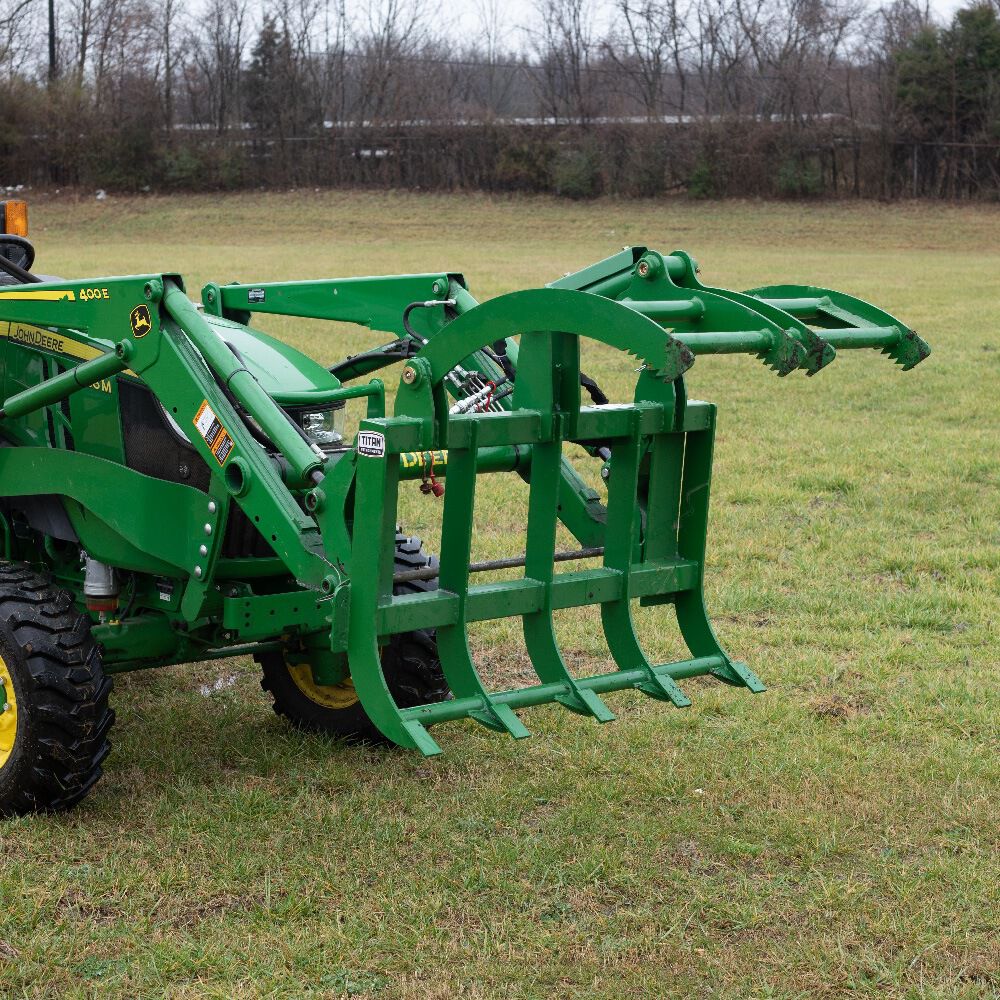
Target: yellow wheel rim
[8, 714]
[335, 696]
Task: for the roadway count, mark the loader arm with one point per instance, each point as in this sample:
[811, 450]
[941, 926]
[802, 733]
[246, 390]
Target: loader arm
[184, 363]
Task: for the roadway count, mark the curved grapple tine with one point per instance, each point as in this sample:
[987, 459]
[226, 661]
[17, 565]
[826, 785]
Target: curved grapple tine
[847, 321]
[623, 523]
[456, 550]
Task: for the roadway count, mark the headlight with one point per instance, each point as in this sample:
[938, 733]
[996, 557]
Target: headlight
[325, 427]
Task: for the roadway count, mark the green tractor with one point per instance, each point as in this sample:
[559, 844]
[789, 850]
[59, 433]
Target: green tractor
[177, 486]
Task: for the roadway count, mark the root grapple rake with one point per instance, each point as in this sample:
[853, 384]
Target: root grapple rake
[287, 546]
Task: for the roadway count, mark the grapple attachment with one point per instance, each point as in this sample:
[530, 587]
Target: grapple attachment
[652, 531]
[650, 536]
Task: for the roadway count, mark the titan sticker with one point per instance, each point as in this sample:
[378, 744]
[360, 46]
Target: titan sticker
[371, 444]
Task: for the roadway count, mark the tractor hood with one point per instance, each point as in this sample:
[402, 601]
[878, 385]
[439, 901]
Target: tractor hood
[287, 375]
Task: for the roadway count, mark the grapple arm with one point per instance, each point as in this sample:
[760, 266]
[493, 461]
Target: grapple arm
[786, 326]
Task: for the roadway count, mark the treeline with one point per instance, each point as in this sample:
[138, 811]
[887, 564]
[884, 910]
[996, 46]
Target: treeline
[636, 97]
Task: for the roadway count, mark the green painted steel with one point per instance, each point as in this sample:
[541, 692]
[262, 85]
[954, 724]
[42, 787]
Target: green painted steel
[264, 536]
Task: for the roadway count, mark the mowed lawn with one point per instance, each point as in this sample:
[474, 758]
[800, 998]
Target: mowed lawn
[837, 836]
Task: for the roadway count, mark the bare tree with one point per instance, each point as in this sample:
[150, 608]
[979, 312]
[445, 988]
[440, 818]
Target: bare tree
[650, 52]
[493, 83]
[218, 49]
[17, 32]
[389, 34]
[565, 44]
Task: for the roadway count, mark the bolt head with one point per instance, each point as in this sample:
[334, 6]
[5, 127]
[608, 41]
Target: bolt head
[203, 550]
[643, 268]
[208, 529]
[6, 708]
[212, 507]
[197, 572]
[409, 375]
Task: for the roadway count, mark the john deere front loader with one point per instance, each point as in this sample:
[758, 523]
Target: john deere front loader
[176, 486]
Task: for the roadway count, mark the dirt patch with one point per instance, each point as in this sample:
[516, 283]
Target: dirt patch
[835, 706]
[218, 906]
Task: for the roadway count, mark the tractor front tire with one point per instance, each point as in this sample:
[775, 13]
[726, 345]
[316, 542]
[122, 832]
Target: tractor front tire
[55, 716]
[410, 665]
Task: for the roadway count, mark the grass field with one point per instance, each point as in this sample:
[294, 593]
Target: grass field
[837, 836]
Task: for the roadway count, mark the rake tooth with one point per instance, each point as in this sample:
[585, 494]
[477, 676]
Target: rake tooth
[616, 616]
[909, 350]
[739, 674]
[501, 719]
[422, 739]
[585, 702]
[453, 640]
[818, 352]
[664, 688]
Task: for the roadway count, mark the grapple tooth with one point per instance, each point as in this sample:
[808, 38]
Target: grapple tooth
[909, 350]
[681, 358]
[785, 355]
[677, 359]
[818, 352]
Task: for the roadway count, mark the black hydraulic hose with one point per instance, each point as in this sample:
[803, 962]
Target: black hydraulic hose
[596, 393]
[400, 350]
[407, 326]
[429, 304]
[23, 276]
[500, 356]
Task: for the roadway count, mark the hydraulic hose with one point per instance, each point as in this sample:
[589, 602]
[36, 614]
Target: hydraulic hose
[23, 276]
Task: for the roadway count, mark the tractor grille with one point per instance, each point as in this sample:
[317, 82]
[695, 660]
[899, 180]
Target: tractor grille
[152, 446]
[155, 449]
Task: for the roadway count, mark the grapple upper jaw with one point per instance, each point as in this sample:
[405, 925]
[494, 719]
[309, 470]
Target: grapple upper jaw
[846, 321]
[786, 326]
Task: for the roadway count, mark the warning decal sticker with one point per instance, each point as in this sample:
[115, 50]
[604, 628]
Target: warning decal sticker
[222, 447]
[215, 435]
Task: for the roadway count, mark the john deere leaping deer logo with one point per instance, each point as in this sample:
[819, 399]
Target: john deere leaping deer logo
[141, 321]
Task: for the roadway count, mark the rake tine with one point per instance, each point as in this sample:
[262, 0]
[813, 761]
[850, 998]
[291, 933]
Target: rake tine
[453, 640]
[539, 628]
[692, 616]
[374, 536]
[663, 500]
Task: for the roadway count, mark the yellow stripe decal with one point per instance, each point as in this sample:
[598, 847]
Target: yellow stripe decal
[59, 295]
[39, 337]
